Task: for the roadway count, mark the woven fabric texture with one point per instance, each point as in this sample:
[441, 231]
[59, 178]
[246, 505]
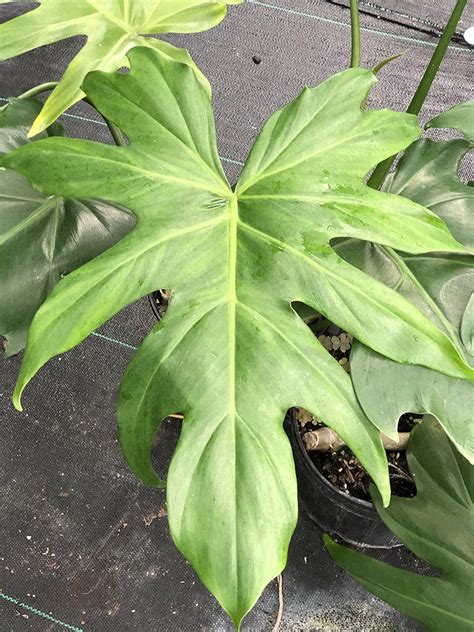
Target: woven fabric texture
[84, 545]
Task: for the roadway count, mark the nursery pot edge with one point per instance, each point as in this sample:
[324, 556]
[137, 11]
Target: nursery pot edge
[354, 520]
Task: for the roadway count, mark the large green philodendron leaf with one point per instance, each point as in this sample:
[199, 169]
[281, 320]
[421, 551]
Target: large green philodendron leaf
[230, 353]
[441, 285]
[112, 27]
[42, 238]
[438, 526]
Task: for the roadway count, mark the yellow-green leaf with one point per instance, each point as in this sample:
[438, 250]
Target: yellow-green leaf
[112, 28]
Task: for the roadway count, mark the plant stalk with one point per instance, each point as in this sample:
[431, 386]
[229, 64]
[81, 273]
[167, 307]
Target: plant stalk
[44, 87]
[119, 137]
[355, 34]
[381, 171]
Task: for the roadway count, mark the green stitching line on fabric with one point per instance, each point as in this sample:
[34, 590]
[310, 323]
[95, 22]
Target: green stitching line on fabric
[40, 613]
[117, 342]
[337, 23]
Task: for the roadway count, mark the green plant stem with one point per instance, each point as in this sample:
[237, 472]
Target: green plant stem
[380, 172]
[119, 137]
[44, 87]
[355, 33]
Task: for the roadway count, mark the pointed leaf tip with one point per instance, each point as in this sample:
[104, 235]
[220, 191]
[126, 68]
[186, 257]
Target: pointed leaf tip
[16, 399]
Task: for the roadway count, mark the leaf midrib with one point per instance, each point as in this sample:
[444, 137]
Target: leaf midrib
[324, 377]
[312, 261]
[111, 271]
[127, 27]
[233, 211]
[406, 273]
[338, 198]
[264, 175]
[408, 597]
[166, 17]
[192, 151]
[45, 207]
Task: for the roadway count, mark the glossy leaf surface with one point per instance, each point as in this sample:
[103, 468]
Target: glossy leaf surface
[460, 117]
[42, 238]
[112, 28]
[441, 285]
[230, 353]
[438, 526]
[15, 121]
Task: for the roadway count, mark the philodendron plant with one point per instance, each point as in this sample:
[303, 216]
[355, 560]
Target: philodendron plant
[442, 285]
[437, 525]
[231, 354]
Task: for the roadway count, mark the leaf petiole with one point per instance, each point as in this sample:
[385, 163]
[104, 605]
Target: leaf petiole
[119, 137]
[381, 171]
[33, 92]
[43, 87]
[355, 34]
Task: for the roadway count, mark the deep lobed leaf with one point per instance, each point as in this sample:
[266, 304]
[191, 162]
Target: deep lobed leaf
[441, 285]
[231, 354]
[42, 238]
[438, 526]
[112, 28]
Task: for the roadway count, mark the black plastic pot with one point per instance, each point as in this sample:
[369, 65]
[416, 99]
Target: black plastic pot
[353, 520]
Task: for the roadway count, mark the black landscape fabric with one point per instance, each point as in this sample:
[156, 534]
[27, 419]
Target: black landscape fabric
[84, 545]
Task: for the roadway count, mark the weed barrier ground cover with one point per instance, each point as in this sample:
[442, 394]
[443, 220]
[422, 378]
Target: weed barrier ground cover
[85, 545]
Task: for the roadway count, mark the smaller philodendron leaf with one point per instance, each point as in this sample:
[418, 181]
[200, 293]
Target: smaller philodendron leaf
[231, 354]
[15, 122]
[42, 238]
[441, 285]
[112, 28]
[460, 117]
[438, 526]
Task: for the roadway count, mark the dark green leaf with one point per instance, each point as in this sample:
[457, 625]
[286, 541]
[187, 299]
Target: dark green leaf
[231, 354]
[42, 238]
[441, 285]
[438, 526]
[460, 117]
[428, 174]
[15, 121]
